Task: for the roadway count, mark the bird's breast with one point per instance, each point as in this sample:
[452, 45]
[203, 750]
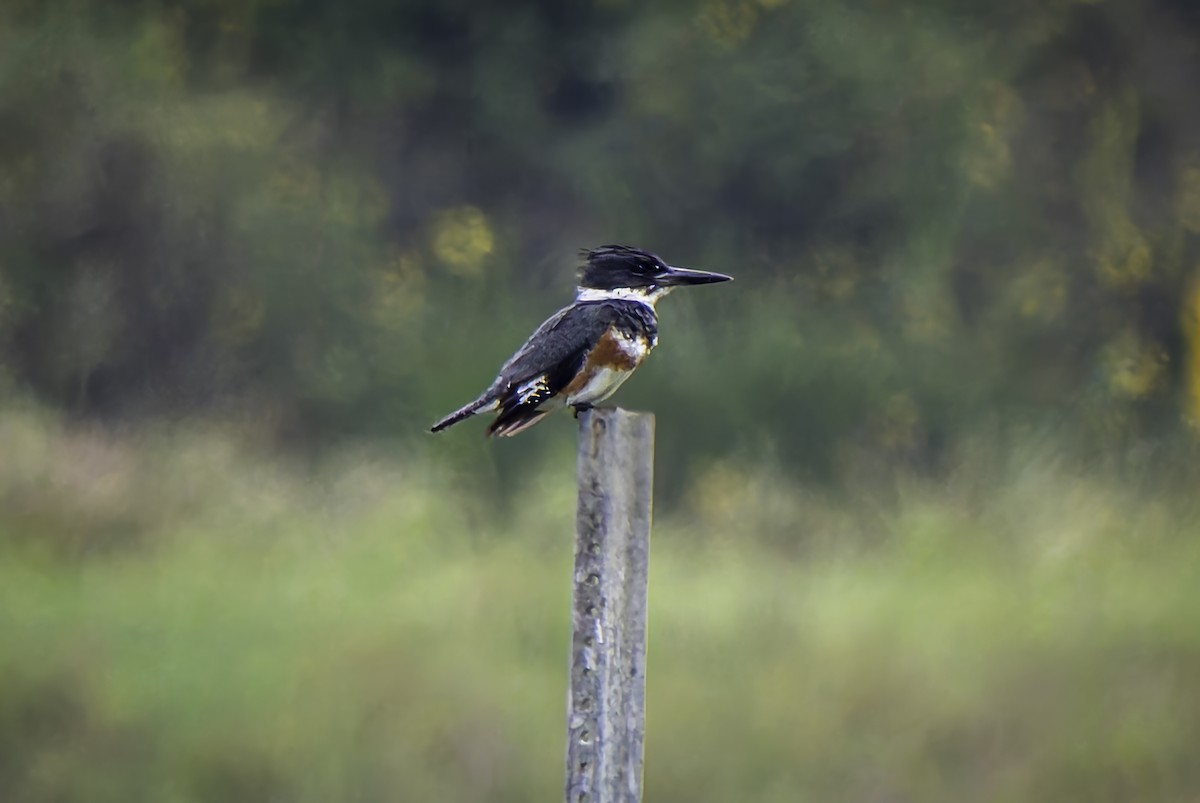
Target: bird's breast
[609, 363]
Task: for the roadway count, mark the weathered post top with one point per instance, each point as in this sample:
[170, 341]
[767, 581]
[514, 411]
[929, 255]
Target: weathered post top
[606, 695]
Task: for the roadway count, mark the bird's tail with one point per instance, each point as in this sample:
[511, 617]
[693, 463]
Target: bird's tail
[461, 414]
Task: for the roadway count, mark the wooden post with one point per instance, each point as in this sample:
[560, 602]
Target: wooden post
[606, 697]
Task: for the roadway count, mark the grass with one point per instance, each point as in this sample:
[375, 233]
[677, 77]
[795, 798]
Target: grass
[182, 619]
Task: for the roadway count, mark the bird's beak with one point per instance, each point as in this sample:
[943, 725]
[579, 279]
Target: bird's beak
[676, 277]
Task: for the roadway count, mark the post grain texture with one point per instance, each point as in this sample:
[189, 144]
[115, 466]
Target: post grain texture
[606, 696]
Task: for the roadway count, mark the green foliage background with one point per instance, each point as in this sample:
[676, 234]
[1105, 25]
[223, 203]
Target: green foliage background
[925, 522]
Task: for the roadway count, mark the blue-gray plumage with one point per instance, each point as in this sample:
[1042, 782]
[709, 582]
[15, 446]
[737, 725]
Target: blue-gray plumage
[583, 353]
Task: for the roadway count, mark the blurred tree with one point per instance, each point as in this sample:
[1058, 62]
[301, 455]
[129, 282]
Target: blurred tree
[980, 210]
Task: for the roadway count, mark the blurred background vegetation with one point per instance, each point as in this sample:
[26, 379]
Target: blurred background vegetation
[926, 472]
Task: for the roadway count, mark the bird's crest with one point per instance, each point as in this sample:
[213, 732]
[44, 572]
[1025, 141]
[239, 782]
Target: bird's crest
[618, 266]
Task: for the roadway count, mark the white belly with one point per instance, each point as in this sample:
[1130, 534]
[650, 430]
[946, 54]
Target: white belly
[599, 387]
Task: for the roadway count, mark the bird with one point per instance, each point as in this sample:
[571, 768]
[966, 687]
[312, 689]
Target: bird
[581, 354]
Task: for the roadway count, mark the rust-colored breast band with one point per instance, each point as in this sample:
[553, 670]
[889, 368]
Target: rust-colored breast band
[607, 353]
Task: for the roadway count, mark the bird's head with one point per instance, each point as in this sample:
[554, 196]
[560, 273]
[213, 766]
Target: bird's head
[619, 270]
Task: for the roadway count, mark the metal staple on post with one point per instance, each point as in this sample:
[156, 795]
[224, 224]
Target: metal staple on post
[606, 697]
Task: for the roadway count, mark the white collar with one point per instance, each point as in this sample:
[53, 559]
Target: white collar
[642, 295]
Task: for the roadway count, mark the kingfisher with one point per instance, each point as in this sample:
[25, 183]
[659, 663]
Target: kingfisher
[583, 352]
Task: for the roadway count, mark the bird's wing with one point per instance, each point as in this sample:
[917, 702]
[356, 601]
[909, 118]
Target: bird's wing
[563, 336]
[548, 361]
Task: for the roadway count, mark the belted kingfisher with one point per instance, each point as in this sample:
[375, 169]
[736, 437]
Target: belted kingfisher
[582, 353]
